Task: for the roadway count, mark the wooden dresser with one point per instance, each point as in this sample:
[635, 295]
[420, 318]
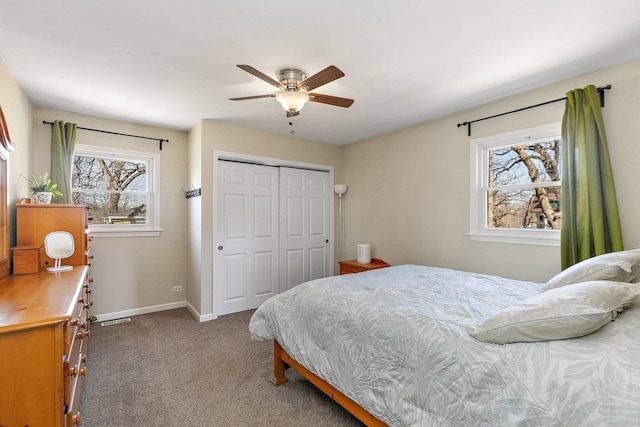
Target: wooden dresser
[45, 321]
[44, 329]
[34, 222]
[352, 266]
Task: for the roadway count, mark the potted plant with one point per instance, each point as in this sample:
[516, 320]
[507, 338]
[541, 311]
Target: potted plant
[42, 188]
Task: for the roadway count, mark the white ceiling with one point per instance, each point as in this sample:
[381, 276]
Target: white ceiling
[173, 63]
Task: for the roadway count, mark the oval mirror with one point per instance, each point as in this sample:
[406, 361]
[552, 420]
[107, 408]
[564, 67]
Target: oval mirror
[59, 245]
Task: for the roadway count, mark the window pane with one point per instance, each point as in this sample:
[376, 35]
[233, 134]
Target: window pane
[99, 173]
[114, 208]
[525, 208]
[525, 163]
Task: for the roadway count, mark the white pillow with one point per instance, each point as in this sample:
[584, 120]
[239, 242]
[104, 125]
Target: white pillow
[622, 266]
[567, 312]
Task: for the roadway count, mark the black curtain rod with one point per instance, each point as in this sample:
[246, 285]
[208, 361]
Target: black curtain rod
[160, 140]
[468, 124]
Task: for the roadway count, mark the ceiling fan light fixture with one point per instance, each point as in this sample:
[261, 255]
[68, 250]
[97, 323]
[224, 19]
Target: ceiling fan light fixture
[292, 101]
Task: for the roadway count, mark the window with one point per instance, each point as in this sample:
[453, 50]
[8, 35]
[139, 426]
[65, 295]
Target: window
[119, 187]
[516, 186]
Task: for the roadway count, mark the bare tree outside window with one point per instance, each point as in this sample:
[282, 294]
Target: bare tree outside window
[116, 191]
[524, 186]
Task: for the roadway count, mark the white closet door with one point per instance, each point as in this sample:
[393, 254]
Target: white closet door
[247, 236]
[305, 197]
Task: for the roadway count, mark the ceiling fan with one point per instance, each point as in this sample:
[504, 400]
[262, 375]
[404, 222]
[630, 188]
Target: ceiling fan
[295, 86]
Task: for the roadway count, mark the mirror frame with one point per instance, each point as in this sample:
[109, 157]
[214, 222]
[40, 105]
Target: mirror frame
[6, 146]
[52, 244]
[4, 222]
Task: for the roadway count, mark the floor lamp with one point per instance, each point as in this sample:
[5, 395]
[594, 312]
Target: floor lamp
[340, 189]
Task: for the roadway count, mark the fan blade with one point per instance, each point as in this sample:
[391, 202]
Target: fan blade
[331, 100]
[252, 97]
[249, 69]
[292, 113]
[325, 76]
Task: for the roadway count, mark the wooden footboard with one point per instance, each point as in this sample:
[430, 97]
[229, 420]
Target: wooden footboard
[282, 361]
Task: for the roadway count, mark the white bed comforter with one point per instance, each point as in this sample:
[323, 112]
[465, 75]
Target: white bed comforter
[395, 340]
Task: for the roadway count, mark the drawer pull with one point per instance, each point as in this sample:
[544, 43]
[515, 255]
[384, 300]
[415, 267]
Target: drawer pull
[75, 419]
[74, 372]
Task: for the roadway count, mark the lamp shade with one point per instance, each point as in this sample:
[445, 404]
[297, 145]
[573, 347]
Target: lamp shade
[292, 101]
[340, 189]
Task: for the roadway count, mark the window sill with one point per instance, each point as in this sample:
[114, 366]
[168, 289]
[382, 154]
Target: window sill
[521, 237]
[155, 232]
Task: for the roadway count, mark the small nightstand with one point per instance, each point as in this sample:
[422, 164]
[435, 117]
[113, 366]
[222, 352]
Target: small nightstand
[352, 266]
[26, 259]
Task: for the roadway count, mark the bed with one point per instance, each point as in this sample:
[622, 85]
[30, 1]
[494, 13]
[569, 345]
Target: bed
[414, 345]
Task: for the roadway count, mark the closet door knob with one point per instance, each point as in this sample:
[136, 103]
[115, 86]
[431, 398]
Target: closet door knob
[220, 247]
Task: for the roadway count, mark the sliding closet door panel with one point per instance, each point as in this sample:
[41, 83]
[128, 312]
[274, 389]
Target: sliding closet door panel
[234, 208]
[294, 265]
[246, 236]
[317, 263]
[317, 211]
[294, 219]
[235, 268]
[305, 222]
[264, 264]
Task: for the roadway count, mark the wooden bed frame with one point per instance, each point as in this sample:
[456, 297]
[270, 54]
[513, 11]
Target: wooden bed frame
[282, 361]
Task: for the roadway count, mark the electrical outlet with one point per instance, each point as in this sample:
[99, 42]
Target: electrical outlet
[177, 288]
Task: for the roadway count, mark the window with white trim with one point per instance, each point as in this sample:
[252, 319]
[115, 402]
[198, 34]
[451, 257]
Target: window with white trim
[120, 189]
[516, 186]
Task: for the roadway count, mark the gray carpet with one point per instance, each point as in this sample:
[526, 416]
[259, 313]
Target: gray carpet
[168, 369]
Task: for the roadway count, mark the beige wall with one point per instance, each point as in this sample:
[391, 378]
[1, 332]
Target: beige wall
[220, 137]
[409, 190]
[18, 113]
[132, 274]
[194, 206]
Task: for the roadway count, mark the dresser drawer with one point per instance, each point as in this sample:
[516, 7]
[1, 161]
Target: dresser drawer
[72, 360]
[76, 337]
[75, 360]
[88, 295]
[77, 372]
[87, 253]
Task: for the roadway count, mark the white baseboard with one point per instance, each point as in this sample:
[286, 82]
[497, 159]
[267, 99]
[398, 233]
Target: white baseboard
[141, 310]
[200, 317]
[154, 308]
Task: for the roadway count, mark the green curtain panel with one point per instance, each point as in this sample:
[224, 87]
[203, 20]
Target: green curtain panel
[590, 218]
[63, 143]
